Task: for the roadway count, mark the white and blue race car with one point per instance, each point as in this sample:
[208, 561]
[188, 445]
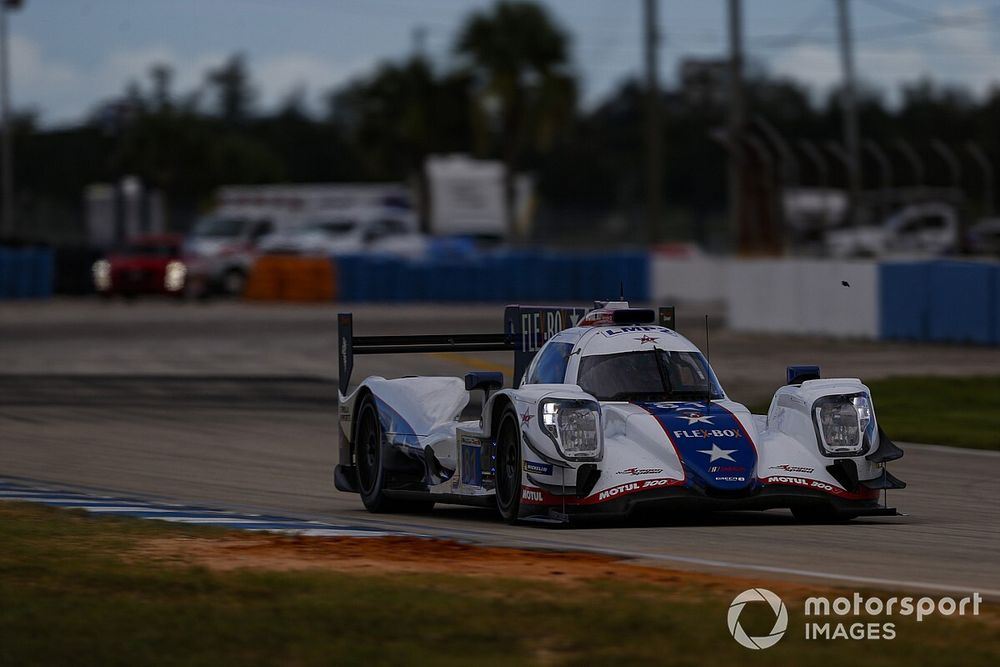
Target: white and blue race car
[611, 411]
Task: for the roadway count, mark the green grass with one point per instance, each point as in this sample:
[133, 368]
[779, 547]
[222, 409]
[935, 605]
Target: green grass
[71, 594]
[961, 412]
[964, 412]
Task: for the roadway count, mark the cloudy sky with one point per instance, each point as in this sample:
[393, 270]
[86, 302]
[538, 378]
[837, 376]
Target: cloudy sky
[67, 55]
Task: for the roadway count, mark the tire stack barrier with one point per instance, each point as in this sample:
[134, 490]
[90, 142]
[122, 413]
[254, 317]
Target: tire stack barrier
[26, 272]
[291, 278]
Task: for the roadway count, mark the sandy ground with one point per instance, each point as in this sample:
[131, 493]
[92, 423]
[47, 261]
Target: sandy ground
[394, 555]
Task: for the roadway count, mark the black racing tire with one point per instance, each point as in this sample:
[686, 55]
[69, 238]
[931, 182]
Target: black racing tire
[368, 458]
[508, 470]
[820, 514]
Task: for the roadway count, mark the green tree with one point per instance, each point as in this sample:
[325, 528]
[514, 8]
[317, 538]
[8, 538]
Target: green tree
[234, 93]
[519, 58]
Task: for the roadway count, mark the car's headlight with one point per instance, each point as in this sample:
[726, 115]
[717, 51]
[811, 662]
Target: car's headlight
[173, 276]
[101, 272]
[574, 425]
[841, 422]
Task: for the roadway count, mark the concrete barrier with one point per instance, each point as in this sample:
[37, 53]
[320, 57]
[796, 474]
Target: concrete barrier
[680, 280]
[803, 297]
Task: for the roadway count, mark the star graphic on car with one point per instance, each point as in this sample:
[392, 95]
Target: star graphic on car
[698, 418]
[716, 453]
[646, 339]
[526, 417]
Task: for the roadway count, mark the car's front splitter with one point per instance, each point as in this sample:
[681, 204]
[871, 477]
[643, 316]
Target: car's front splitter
[675, 497]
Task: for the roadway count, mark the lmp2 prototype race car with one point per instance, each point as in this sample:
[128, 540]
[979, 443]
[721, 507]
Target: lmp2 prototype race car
[612, 410]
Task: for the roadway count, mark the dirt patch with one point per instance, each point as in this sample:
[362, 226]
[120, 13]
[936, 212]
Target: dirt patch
[407, 554]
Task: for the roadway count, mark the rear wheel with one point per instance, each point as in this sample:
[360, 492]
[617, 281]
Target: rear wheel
[368, 458]
[368, 444]
[508, 471]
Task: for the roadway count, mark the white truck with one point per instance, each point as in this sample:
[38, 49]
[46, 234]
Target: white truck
[221, 248]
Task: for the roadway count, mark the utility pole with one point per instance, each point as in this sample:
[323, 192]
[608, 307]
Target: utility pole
[736, 123]
[848, 101]
[6, 149]
[654, 181]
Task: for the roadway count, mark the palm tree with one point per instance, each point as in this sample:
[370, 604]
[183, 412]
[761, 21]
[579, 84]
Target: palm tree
[518, 57]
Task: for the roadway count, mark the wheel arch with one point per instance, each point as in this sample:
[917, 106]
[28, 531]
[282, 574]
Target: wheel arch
[357, 400]
[498, 406]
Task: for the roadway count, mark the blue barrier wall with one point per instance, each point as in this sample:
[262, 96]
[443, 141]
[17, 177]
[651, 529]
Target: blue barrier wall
[940, 301]
[960, 302]
[509, 277]
[26, 273]
[903, 300]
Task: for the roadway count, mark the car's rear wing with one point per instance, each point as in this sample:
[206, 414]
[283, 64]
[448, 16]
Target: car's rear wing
[526, 329]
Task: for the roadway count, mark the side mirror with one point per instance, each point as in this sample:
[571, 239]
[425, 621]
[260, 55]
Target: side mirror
[488, 381]
[799, 374]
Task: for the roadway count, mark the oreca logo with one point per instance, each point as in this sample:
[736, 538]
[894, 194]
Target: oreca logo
[780, 618]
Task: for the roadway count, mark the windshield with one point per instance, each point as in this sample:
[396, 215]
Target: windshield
[220, 227]
[648, 375]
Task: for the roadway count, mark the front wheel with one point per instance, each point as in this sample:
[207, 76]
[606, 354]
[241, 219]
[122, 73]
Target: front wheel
[508, 471]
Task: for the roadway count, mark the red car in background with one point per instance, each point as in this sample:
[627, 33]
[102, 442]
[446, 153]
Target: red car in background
[145, 265]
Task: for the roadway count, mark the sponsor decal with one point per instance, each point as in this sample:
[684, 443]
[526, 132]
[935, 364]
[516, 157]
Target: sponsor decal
[535, 496]
[633, 487]
[677, 405]
[472, 469]
[706, 434]
[538, 468]
[526, 417]
[713, 433]
[531, 495]
[635, 472]
[727, 469]
[865, 494]
[716, 453]
[345, 413]
[697, 417]
[646, 339]
[871, 617]
[790, 468]
[642, 329]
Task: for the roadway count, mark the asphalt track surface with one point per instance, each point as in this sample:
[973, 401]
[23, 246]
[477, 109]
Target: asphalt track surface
[235, 408]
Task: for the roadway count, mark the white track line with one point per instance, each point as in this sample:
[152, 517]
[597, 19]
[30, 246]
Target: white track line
[813, 574]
